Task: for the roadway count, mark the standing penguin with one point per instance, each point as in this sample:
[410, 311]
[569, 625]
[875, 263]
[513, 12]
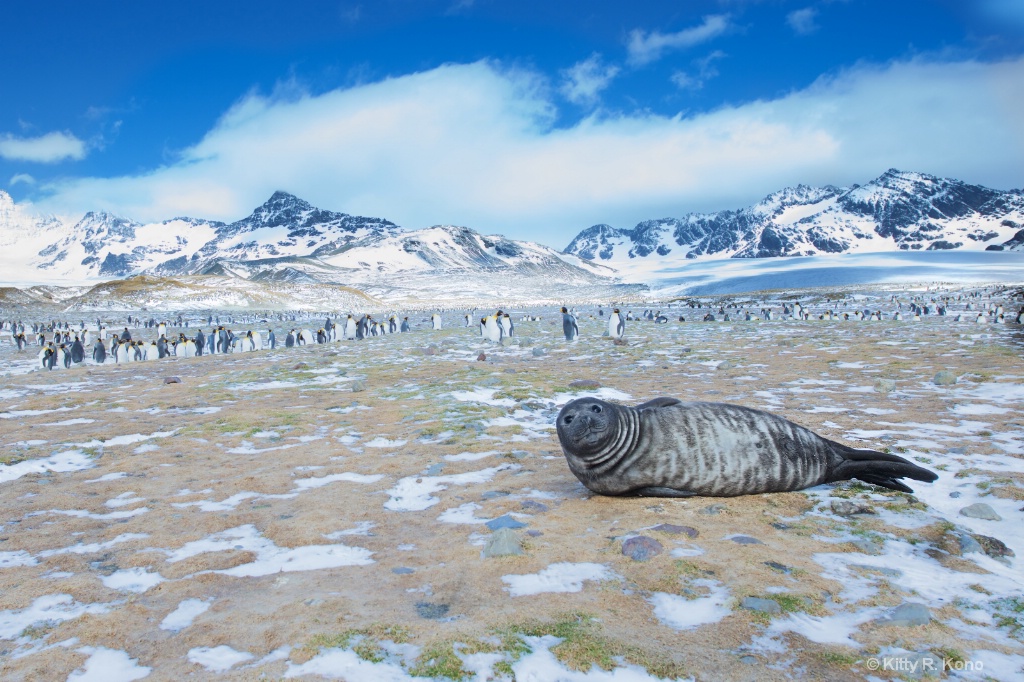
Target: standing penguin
[350, 328]
[65, 356]
[289, 341]
[435, 321]
[392, 324]
[271, 339]
[405, 325]
[161, 348]
[616, 325]
[467, 319]
[200, 342]
[569, 326]
[493, 330]
[77, 351]
[99, 352]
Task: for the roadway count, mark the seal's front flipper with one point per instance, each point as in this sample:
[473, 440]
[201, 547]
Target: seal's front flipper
[657, 491]
[657, 402]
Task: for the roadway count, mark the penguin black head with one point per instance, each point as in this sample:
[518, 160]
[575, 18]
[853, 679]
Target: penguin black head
[564, 309]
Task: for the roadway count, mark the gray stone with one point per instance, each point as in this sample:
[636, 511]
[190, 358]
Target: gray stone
[996, 549]
[763, 605]
[525, 342]
[641, 548]
[712, 510]
[358, 386]
[538, 352]
[431, 611]
[534, 533]
[503, 542]
[725, 364]
[944, 378]
[745, 540]
[585, 383]
[851, 507]
[534, 506]
[172, 380]
[676, 530]
[749, 660]
[980, 510]
[955, 494]
[885, 385]
[969, 545]
[493, 494]
[402, 570]
[434, 469]
[505, 521]
[907, 614]
[776, 566]
[890, 572]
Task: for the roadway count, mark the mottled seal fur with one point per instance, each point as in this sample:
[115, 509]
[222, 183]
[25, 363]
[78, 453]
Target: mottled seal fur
[669, 448]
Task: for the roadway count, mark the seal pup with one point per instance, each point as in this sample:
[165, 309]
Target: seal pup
[669, 448]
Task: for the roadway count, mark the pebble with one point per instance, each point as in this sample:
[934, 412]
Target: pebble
[955, 494]
[504, 521]
[482, 357]
[907, 614]
[172, 380]
[676, 530]
[358, 386]
[534, 506]
[749, 660]
[758, 604]
[584, 383]
[537, 352]
[493, 494]
[725, 364]
[776, 566]
[944, 378]
[746, 540]
[503, 542]
[713, 509]
[980, 510]
[851, 507]
[402, 570]
[641, 548]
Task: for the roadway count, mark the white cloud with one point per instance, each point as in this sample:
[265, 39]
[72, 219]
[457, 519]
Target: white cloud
[21, 178]
[475, 145]
[48, 148]
[648, 47]
[803, 21]
[706, 70]
[584, 81]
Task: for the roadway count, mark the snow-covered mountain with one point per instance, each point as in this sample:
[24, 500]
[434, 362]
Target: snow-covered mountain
[896, 211]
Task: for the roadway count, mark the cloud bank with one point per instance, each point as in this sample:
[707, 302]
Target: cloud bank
[48, 148]
[476, 145]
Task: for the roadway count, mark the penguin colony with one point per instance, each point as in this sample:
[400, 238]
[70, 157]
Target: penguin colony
[64, 345]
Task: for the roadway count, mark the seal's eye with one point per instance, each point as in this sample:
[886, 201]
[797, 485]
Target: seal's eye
[568, 419]
[595, 408]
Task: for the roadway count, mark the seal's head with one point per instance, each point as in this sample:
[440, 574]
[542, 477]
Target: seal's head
[586, 425]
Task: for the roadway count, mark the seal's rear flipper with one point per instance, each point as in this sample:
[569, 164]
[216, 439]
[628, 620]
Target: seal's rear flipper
[657, 402]
[878, 468]
[656, 491]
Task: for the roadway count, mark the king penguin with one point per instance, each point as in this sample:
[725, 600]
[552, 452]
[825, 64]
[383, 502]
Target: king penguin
[616, 325]
[569, 326]
[435, 321]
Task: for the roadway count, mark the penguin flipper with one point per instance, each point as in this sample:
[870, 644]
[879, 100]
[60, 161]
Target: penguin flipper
[658, 491]
[658, 402]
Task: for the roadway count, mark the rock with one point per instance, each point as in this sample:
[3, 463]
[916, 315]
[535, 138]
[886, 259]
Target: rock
[534, 533]
[993, 547]
[506, 341]
[851, 507]
[641, 548]
[885, 385]
[763, 605]
[712, 510]
[907, 614]
[955, 494]
[482, 357]
[745, 540]
[358, 386]
[778, 525]
[172, 380]
[534, 506]
[493, 494]
[584, 383]
[537, 352]
[867, 546]
[944, 378]
[505, 521]
[430, 350]
[620, 342]
[402, 570]
[676, 530]
[725, 364]
[969, 545]
[980, 510]
[776, 566]
[749, 660]
[434, 469]
[431, 611]
[300, 365]
[503, 542]
[525, 342]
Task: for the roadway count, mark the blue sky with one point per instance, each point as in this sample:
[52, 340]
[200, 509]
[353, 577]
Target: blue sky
[532, 119]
